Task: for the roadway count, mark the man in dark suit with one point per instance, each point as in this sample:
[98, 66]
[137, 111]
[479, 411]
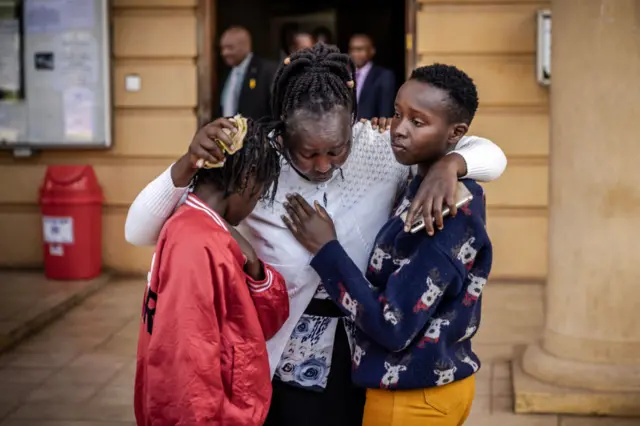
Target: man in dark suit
[375, 85]
[247, 88]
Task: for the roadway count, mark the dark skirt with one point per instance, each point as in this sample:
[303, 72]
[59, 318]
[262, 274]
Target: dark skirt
[340, 404]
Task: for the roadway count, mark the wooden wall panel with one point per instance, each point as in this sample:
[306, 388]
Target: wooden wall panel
[21, 239]
[25, 183]
[519, 133]
[519, 244]
[165, 84]
[120, 182]
[502, 80]
[477, 29]
[156, 34]
[521, 185]
[162, 134]
[145, 133]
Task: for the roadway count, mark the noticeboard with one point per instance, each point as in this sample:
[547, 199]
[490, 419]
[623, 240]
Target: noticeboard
[63, 99]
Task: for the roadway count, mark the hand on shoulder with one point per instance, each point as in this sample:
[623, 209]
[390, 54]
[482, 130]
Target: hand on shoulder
[381, 124]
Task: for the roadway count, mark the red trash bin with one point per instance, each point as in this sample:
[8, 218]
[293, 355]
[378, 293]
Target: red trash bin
[71, 205]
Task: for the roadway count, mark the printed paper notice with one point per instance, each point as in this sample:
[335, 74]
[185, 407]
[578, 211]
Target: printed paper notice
[77, 59]
[78, 114]
[57, 230]
[9, 56]
[10, 122]
[8, 135]
[48, 16]
[42, 16]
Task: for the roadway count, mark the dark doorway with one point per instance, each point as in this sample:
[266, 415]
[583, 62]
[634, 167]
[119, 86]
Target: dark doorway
[382, 20]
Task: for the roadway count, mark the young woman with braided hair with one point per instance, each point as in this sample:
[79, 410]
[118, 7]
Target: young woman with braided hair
[350, 169]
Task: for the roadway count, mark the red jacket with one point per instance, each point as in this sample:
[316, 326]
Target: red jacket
[202, 357]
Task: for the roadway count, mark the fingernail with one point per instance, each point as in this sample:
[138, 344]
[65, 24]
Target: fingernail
[430, 233]
[374, 127]
[286, 204]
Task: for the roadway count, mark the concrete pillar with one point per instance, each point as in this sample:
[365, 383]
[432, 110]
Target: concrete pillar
[589, 358]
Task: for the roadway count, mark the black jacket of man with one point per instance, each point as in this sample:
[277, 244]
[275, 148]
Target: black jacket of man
[255, 94]
[378, 94]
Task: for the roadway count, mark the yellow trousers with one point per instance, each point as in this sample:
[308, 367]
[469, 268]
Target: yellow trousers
[447, 405]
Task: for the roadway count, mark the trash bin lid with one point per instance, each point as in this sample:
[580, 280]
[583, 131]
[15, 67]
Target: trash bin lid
[70, 183]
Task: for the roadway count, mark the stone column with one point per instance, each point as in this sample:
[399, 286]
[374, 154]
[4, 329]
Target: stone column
[588, 360]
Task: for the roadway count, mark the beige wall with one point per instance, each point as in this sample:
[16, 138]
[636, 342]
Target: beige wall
[155, 39]
[495, 42]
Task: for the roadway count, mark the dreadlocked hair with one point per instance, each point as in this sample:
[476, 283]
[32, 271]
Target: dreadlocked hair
[317, 79]
[258, 160]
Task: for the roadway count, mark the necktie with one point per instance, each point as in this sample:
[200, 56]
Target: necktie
[358, 84]
[230, 101]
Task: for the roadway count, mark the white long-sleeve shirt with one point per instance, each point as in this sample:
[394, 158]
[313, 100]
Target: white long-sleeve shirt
[359, 202]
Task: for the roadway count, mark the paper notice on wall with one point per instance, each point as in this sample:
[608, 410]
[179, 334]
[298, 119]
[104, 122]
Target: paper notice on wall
[48, 16]
[57, 230]
[77, 60]
[12, 122]
[9, 56]
[8, 135]
[79, 14]
[78, 114]
[43, 16]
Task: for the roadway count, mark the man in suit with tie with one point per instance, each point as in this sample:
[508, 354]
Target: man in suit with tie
[247, 88]
[375, 85]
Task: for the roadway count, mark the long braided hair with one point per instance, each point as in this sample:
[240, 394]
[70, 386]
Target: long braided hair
[318, 80]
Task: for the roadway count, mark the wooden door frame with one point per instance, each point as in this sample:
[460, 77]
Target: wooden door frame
[206, 62]
[410, 24]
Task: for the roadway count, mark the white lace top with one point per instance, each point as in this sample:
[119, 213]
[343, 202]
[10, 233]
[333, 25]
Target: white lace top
[359, 202]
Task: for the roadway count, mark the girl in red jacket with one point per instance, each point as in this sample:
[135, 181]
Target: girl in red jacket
[210, 302]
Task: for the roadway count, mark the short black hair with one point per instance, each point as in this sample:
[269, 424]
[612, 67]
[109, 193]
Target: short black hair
[460, 87]
[364, 36]
[258, 158]
[317, 79]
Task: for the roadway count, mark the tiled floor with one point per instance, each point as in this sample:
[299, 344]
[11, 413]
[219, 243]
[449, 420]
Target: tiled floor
[29, 301]
[79, 370]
